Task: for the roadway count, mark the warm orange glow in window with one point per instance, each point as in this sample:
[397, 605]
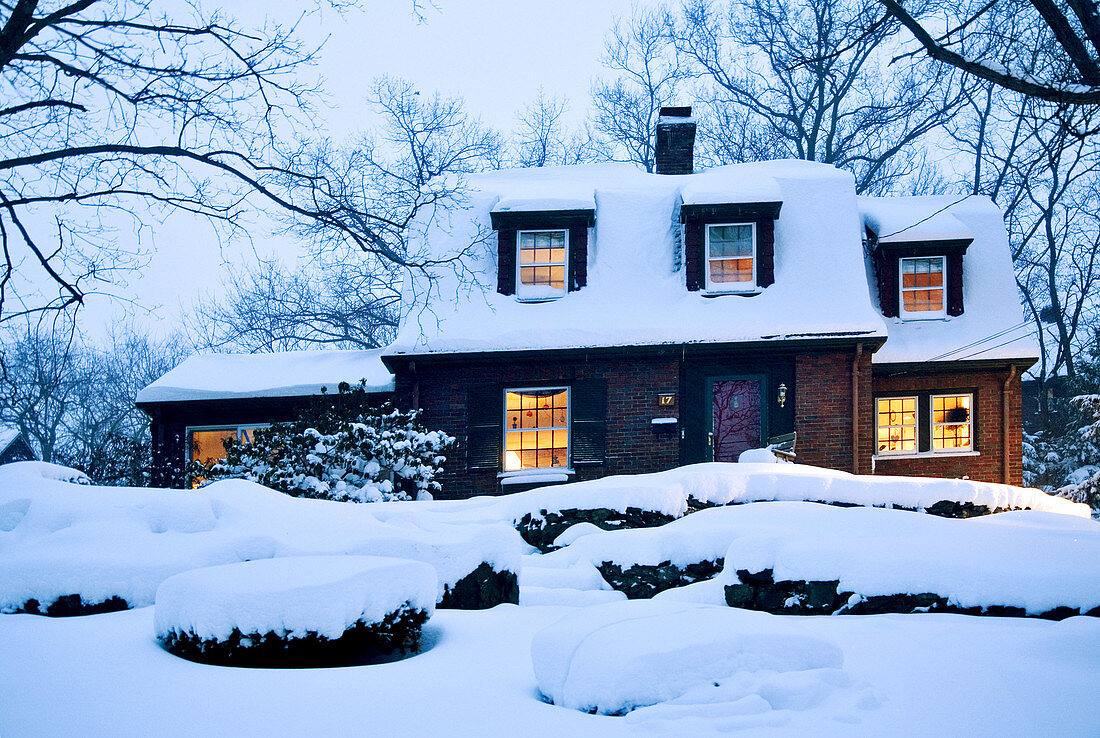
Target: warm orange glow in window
[542, 261]
[922, 285]
[208, 446]
[897, 425]
[536, 429]
[951, 423]
[730, 253]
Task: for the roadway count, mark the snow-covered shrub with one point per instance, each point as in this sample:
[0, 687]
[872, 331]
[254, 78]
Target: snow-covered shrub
[342, 448]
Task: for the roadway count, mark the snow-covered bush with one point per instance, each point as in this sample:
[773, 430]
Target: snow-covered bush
[342, 448]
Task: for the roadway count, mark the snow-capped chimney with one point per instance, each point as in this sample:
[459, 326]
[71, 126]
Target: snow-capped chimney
[675, 152]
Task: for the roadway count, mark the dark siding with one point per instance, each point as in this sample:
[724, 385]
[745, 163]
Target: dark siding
[887, 268]
[506, 261]
[589, 414]
[955, 283]
[694, 256]
[765, 252]
[484, 427]
[578, 257]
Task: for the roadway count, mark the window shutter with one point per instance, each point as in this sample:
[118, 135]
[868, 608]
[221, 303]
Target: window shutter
[506, 261]
[887, 268]
[484, 427]
[955, 283]
[765, 252]
[589, 413]
[578, 257]
[694, 258]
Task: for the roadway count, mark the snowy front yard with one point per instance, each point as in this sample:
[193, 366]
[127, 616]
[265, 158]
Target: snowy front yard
[681, 662]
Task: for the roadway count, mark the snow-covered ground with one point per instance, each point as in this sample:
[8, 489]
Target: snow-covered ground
[679, 664]
[902, 675]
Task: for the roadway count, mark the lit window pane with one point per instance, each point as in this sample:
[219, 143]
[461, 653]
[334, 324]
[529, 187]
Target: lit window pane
[536, 431]
[952, 423]
[897, 425]
[542, 257]
[922, 284]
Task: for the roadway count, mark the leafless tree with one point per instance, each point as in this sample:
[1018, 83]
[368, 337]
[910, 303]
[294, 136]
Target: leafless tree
[812, 80]
[542, 138]
[68, 397]
[986, 38]
[332, 302]
[118, 110]
[647, 74]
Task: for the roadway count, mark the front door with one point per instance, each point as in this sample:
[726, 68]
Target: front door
[736, 421]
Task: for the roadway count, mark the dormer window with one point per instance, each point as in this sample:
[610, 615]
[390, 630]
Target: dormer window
[923, 287]
[731, 257]
[541, 264]
[729, 249]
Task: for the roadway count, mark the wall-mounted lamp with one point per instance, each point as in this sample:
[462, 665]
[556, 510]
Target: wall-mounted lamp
[782, 394]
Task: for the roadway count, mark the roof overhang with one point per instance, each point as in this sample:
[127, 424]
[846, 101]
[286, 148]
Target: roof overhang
[542, 218]
[730, 211]
[1022, 364]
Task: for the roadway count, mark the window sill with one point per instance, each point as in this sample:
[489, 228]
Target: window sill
[550, 298]
[740, 293]
[924, 319]
[528, 476]
[927, 455]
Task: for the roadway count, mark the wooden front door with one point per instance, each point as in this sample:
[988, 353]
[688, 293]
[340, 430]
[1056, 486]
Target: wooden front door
[736, 417]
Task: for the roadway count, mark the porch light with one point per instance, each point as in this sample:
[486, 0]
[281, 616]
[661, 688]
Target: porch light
[782, 395]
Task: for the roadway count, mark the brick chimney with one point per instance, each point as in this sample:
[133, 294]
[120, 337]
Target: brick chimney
[675, 152]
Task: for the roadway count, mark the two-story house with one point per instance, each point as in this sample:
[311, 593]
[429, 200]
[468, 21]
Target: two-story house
[605, 320]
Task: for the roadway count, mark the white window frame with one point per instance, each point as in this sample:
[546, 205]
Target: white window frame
[520, 286]
[902, 289]
[916, 426]
[733, 287]
[238, 427]
[932, 424]
[568, 468]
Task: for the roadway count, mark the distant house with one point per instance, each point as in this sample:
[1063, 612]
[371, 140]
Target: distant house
[14, 445]
[612, 321]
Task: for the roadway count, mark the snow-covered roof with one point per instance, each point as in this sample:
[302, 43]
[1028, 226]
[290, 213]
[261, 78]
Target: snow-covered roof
[992, 326]
[8, 434]
[635, 294]
[284, 374]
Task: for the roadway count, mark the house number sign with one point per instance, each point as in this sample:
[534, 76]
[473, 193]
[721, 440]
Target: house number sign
[666, 399]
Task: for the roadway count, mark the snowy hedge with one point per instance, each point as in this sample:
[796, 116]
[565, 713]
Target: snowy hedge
[297, 611]
[83, 546]
[342, 448]
[647, 500]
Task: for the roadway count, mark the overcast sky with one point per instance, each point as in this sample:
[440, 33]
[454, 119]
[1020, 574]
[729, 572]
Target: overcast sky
[494, 53]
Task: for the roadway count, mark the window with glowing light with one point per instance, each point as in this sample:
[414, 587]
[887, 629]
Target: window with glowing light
[922, 287]
[541, 264]
[951, 422]
[731, 256]
[207, 445]
[536, 428]
[897, 425]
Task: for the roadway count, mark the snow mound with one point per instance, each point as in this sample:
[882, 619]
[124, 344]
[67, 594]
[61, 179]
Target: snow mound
[291, 597]
[1029, 560]
[717, 483]
[567, 597]
[59, 539]
[619, 657]
[1025, 559]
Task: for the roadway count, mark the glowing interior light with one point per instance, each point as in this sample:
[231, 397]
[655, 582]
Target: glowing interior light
[511, 461]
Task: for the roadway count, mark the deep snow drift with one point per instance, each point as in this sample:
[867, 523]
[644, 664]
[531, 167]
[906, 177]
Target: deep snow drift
[59, 539]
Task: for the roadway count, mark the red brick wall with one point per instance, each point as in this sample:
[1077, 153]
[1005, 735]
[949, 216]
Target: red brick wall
[988, 388]
[823, 410]
[632, 388]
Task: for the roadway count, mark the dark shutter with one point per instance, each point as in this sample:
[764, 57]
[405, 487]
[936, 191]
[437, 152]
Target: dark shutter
[506, 261]
[765, 252]
[589, 413]
[694, 258]
[955, 283]
[484, 427]
[578, 257]
[886, 266]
